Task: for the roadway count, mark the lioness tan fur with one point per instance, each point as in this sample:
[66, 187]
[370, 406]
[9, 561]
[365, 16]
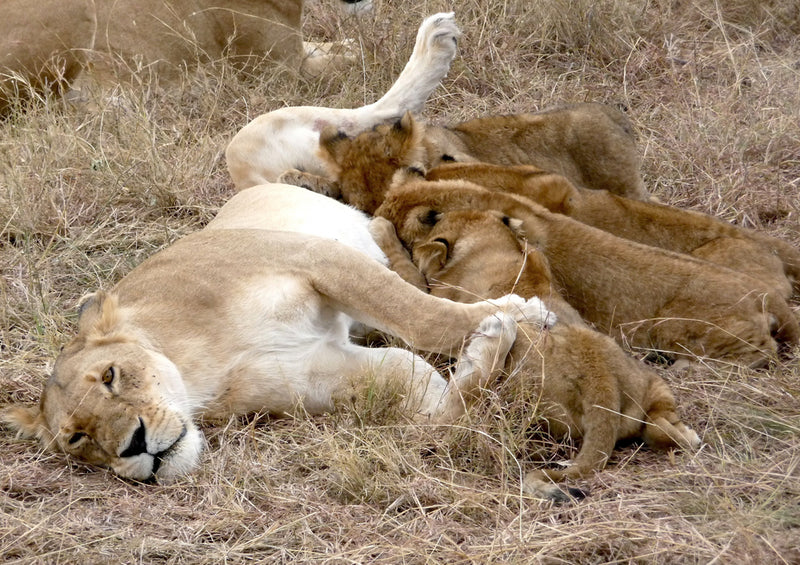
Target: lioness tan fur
[644, 296]
[43, 46]
[229, 321]
[47, 43]
[581, 381]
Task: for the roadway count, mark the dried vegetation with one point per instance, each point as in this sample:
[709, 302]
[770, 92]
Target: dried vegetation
[88, 190]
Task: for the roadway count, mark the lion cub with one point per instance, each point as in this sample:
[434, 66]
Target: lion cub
[588, 387]
[644, 296]
[362, 169]
[770, 260]
[592, 145]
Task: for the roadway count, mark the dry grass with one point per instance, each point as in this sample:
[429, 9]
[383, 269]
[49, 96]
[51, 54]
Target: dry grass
[88, 191]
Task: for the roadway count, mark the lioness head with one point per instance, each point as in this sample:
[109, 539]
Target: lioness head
[113, 403]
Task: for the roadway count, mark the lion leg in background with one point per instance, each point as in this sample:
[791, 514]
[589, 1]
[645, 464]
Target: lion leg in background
[288, 138]
[320, 58]
[43, 47]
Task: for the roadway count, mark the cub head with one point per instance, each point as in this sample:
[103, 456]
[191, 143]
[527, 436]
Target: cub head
[113, 402]
[471, 255]
[363, 166]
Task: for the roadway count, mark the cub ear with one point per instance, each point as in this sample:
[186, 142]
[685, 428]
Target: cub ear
[28, 423]
[431, 257]
[515, 225]
[408, 125]
[331, 144]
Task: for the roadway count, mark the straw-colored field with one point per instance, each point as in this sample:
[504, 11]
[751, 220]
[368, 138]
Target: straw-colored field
[88, 191]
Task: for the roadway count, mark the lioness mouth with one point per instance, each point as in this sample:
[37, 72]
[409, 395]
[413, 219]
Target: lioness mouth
[159, 457]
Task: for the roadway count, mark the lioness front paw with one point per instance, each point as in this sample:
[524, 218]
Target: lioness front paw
[533, 310]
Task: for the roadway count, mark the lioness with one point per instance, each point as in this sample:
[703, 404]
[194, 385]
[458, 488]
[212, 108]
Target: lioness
[228, 321]
[587, 386]
[644, 296]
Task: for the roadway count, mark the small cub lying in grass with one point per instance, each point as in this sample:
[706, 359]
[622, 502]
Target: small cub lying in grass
[582, 382]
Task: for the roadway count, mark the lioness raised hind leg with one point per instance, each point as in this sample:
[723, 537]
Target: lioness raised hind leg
[288, 138]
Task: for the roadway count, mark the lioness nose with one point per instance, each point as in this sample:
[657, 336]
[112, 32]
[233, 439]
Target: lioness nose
[138, 443]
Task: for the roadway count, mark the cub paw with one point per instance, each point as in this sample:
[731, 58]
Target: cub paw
[381, 229]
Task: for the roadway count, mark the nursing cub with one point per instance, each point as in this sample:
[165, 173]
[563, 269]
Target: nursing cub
[361, 169]
[643, 296]
[580, 381]
[590, 144]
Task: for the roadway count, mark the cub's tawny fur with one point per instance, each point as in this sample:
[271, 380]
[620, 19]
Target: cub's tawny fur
[767, 259]
[581, 381]
[593, 145]
[362, 168]
[644, 296]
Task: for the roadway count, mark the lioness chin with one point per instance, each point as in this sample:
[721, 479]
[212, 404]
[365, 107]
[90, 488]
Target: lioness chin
[580, 381]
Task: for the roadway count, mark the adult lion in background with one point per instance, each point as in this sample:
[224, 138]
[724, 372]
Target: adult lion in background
[45, 44]
[229, 321]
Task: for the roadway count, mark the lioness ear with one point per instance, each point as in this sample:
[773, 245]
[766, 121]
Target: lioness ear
[430, 257]
[99, 313]
[90, 308]
[28, 422]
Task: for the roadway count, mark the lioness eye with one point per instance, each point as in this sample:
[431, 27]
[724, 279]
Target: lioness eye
[109, 375]
[75, 438]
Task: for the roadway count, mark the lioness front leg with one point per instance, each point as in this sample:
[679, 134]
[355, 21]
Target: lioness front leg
[312, 182]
